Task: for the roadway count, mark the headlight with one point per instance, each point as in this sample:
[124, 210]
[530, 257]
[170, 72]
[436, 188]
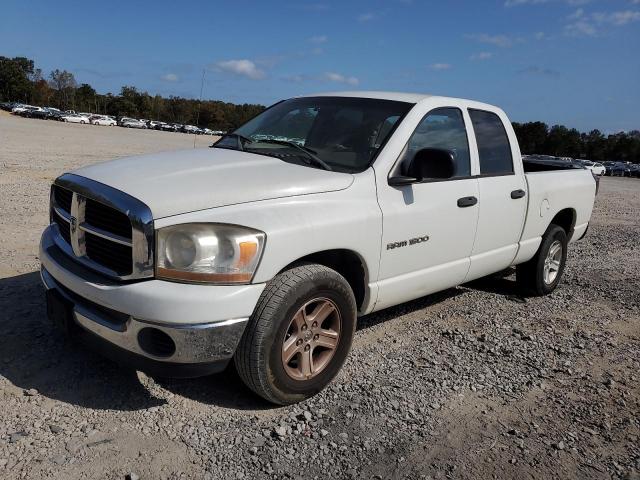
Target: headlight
[208, 253]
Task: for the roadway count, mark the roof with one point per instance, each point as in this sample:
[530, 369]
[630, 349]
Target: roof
[397, 96]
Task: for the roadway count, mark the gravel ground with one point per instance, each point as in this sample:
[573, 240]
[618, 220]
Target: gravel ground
[474, 382]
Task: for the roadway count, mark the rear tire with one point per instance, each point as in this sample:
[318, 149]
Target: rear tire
[285, 356]
[542, 274]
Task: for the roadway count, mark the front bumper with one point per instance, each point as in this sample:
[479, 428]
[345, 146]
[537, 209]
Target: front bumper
[203, 323]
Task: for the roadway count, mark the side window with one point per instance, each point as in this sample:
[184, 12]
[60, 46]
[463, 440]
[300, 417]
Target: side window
[442, 128]
[493, 144]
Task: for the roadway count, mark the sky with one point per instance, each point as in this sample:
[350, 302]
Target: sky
[571, 62]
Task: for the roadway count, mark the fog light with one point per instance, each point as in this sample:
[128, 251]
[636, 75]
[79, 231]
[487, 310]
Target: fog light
[155, 342]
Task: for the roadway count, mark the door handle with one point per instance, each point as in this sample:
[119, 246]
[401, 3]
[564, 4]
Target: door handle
[467, 202]
[518, 194]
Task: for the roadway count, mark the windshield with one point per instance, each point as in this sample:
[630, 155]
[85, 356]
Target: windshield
[341, 132]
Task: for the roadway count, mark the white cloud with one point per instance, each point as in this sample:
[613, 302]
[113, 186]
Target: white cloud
[365, 17]
[170, 77]
[536, 70]
[588, 25]
[617, 18]
[497, 40]
[579, 13]
[339, 78]
[516, 3]
[539, 35]
[580, 28]
[244, 68]
[318, 39]
[440, 66]
[481, 56]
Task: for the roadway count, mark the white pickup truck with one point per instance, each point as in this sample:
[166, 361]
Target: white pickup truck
[266, 248]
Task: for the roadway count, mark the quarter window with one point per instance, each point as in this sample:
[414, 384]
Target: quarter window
[494, 149]
[442, 128]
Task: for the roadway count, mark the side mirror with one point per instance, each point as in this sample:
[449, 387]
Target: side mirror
[433, 163]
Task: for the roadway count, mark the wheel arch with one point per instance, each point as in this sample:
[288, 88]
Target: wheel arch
[565, 219]
[347, 263]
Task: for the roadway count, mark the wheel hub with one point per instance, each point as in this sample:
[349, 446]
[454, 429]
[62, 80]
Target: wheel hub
[552, 262]
[311, 339]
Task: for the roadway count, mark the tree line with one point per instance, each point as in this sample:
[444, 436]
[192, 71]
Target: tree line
[21, 81]
[560, 141]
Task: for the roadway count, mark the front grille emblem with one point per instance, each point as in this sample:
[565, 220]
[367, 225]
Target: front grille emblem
[78, 205]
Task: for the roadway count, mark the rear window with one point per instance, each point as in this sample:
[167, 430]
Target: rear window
[493, 144]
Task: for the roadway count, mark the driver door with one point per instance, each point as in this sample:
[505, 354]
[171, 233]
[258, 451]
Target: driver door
[428, 234]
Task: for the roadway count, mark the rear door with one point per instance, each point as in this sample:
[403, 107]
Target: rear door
[503, 194]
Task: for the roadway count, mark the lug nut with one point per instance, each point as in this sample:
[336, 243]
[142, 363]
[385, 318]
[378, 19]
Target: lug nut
[315, 324]
[316, 337]
[306, 348]
[304, 327]
[299, 341]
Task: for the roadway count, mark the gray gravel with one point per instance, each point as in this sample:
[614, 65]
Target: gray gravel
[469, 383]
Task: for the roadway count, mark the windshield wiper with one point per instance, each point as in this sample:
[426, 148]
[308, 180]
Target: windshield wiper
[241, 139]
[306, 150]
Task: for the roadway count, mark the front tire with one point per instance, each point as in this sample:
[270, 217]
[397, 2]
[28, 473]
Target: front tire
[299, 335]
[541, 275]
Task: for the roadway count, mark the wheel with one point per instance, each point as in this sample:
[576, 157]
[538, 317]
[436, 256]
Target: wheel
[299, 335]
[82, 122]
[541, 275]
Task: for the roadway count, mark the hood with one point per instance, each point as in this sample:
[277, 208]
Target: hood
[172, 183]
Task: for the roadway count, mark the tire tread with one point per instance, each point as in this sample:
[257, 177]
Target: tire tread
[250, 356]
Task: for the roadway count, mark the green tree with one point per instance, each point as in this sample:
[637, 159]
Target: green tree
[14, 79]
[64, 84]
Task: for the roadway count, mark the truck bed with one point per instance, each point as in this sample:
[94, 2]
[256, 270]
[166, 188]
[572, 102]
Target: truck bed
[545, 165]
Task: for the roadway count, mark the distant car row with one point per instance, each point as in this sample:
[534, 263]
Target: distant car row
[622, 169]
[70, 116]
[610, 168]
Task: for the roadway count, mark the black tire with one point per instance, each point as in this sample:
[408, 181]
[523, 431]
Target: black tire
[531, 275]
[258, 358]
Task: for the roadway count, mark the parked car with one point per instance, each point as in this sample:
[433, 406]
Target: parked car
[131, 123]
[102, 120]
[620, 169]
[607, 166]
[167, 127]
[634, 170]
[41, 113]
[189, 129]
[74, 118]
[8, 106]
[22, 109]
[595, 167]
[33, 112]
[210, 256]
[56, 115]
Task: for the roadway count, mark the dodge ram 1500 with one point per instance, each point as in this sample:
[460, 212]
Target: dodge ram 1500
[267, 247]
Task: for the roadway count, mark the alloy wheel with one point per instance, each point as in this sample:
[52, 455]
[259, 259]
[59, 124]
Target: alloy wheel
[311, 339]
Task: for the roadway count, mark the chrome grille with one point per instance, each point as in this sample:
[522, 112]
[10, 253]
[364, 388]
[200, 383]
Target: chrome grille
[107, 219]
[103, 228]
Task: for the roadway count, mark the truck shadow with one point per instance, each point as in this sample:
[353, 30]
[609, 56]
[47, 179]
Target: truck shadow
[501, 283]
[34, 355]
